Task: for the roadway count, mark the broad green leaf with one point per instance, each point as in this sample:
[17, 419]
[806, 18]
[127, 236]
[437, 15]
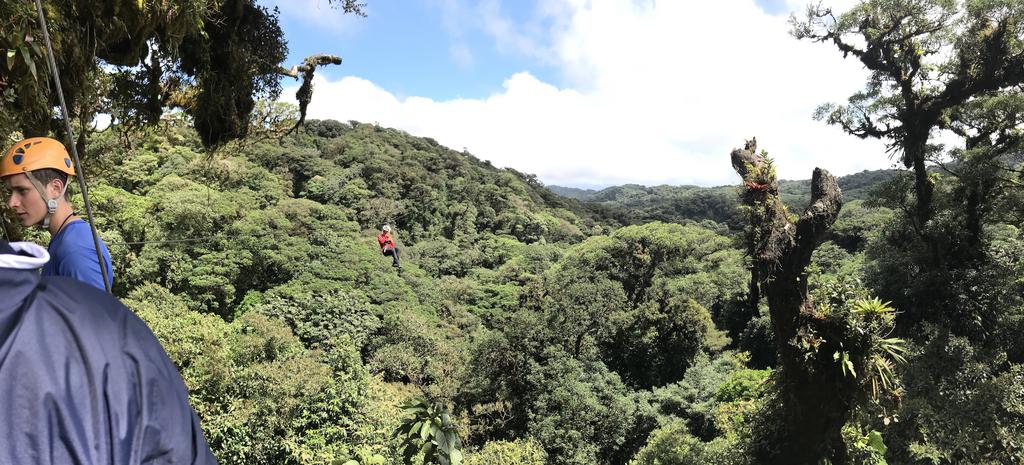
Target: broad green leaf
[849, 366]
[427, 449]
[417, 429]
[28, 61]
[425, 431]
[443, 441]
[876, 443]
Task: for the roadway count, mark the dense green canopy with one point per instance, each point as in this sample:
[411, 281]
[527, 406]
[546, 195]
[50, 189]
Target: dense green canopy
[758, 323]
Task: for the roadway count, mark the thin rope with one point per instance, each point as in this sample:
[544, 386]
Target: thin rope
[169, 241]
[222, 235]
[71, 143]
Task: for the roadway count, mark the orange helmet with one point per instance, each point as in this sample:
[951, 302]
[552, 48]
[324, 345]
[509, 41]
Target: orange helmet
[36, 153]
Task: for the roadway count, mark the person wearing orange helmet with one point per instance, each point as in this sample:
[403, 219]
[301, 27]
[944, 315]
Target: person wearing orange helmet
[36, 172]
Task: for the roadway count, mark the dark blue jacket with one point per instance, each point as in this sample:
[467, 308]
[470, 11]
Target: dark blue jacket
[82, 379]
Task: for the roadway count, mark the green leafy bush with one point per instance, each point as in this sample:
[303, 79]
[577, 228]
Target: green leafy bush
[673, 445]
[518, 452]
[318, 311]
[261, 395]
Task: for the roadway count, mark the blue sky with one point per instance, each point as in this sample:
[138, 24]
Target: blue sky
[423, 47]
[411, 47]
[587, 93]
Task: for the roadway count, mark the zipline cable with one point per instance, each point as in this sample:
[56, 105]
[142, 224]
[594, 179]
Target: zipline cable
[169, 241]
[71, 144]
[191, 239]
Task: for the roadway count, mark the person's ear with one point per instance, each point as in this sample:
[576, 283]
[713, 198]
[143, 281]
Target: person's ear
[55, 189]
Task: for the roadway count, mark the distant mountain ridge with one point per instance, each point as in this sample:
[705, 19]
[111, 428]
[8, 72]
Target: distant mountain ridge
[573, 192]
[719, 204]
[851, 183]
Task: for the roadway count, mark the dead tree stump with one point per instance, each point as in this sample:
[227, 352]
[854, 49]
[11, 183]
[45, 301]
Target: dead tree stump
[814, 399]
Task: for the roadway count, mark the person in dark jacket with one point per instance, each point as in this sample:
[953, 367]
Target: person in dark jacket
[388, 247]
[82, 379]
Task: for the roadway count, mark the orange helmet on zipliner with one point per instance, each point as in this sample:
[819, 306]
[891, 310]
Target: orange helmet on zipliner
[37, 153]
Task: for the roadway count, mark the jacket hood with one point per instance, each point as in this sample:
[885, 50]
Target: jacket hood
[19, 275]
[22, 256]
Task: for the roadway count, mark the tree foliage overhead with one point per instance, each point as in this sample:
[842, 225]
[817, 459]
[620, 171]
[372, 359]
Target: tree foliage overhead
[212, 59]
[958, 67]
[927, 59]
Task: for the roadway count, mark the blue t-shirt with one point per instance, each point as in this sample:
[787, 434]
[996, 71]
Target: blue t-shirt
[73, 255]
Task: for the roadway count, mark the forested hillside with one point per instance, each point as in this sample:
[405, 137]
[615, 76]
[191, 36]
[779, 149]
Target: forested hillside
[540, 331]
[258, 269]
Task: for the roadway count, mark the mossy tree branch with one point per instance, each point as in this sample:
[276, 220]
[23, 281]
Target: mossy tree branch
[815, 401]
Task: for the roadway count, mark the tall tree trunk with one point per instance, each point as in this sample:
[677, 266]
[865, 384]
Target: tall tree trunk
[815, 398]
[915, 150]
[754, 292]
[974, 212]
[923, 189]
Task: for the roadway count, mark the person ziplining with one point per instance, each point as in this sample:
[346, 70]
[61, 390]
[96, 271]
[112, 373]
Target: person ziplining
[388, 247]
[36, 172]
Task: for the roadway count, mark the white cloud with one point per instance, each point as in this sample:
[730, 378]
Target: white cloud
[319, 14]
[510, 36]
[658, 92]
